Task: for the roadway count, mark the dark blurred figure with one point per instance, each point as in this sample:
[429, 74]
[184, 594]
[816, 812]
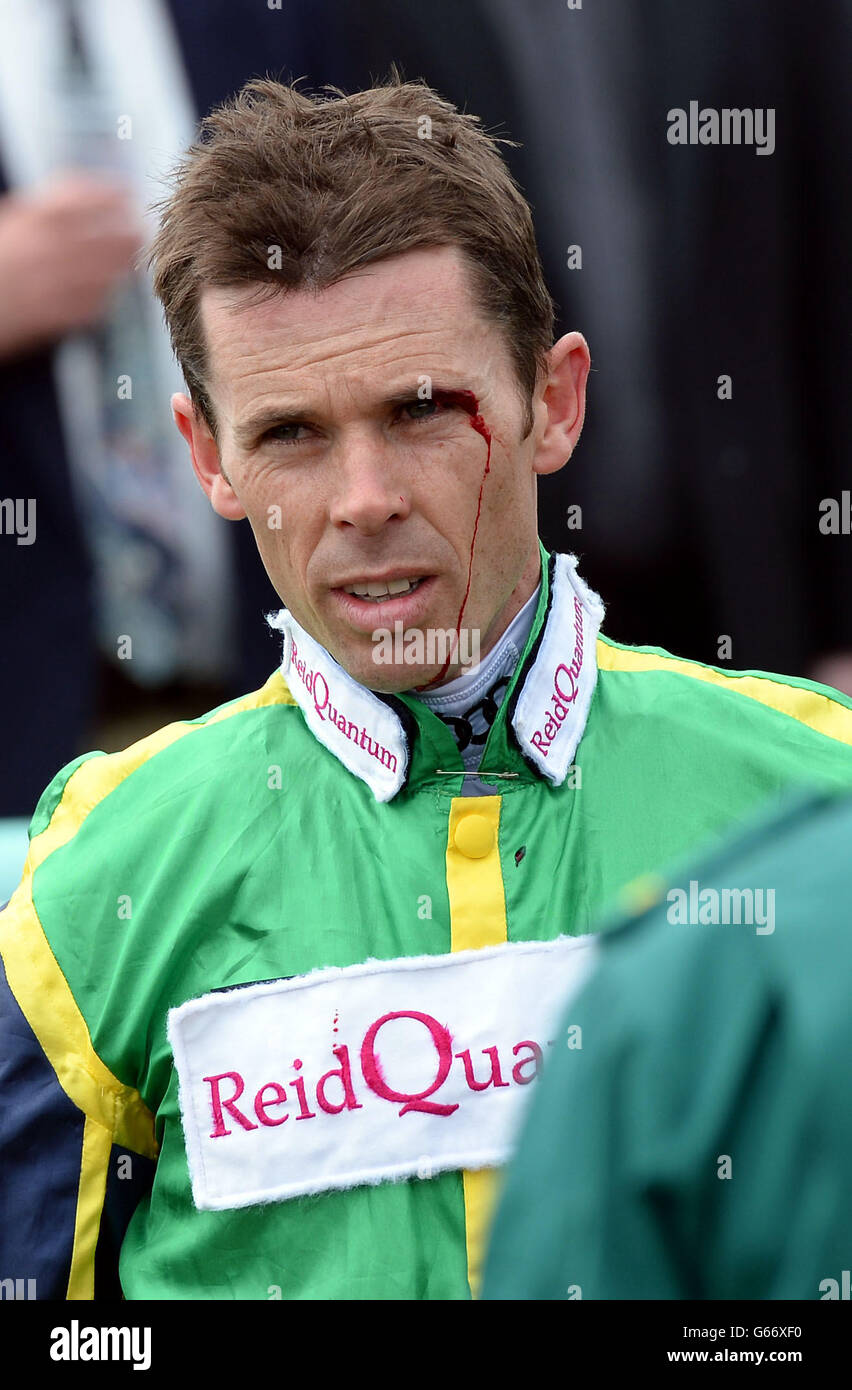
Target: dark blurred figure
[697, 262]
[698, 1143]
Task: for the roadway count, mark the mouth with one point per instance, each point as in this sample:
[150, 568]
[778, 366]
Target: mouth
[378, 590]
[367, 603]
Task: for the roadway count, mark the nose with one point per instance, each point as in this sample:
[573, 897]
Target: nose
[368, 490]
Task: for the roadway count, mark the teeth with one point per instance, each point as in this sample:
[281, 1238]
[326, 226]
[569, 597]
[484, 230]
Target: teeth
[383, 590]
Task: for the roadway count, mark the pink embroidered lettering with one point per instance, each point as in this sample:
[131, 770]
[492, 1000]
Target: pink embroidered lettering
[496, 1077]
[565, 689]
[271, 1096]
[343, 1074]
[305, 1111]
[417, 1100]
[318, 687]
[279, 1097]
[535, 1057]
[219, 1104]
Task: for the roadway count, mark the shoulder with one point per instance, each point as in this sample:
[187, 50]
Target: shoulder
[691, 691]
[99, 787]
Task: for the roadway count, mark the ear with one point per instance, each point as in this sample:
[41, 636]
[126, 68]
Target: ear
[563, 403]
[205, 458]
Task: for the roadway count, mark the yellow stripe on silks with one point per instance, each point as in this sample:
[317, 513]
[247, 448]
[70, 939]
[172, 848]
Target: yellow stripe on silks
[481, 1190]
[115, 1113]
[97, 1145]
[51, 1010]
[475, 886]
[477, 918]
[819, 712]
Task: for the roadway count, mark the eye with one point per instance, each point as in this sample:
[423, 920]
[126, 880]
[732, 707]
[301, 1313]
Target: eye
[281, 434]
[417, 409]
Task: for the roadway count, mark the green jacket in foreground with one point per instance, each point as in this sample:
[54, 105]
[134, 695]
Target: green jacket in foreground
[698, 1145]
[315, 826]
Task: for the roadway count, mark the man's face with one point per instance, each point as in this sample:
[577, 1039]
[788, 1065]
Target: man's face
[360, 473]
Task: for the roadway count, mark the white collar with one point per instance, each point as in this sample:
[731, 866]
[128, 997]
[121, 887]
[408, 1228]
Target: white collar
[548, 707]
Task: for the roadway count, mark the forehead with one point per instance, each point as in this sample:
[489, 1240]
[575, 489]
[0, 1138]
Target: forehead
[410, 313]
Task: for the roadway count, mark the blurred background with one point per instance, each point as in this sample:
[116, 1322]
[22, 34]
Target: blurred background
[127, 603]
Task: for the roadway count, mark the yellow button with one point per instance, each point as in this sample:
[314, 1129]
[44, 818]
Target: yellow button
[474, 837]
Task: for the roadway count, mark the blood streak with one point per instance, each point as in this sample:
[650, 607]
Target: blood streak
[467, 401]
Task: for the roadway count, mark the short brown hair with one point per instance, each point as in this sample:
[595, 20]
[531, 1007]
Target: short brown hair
[336, 182]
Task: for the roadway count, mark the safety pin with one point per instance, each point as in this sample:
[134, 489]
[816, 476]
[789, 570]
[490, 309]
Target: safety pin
[486, 777]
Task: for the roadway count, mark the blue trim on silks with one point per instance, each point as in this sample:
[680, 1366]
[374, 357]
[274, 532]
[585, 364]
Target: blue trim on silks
[41, 1139]
[123, 1195]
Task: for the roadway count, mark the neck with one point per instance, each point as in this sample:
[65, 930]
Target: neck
[465, 689]
[520, 596]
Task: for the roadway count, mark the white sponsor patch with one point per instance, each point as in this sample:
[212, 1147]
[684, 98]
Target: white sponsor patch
[375, 1072]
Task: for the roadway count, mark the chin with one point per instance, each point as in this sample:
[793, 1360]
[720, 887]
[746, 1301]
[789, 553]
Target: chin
[392, 678]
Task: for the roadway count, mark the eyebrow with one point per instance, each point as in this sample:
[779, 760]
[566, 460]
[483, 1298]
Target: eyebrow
[256, 425]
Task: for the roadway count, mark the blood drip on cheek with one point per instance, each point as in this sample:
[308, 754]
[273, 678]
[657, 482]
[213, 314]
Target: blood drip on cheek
[467, 401]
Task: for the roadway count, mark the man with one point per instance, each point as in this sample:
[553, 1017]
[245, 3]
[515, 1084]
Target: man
[308, 950]
[697, 1144]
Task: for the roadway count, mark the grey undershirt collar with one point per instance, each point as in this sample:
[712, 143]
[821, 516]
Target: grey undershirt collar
[459, 696]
